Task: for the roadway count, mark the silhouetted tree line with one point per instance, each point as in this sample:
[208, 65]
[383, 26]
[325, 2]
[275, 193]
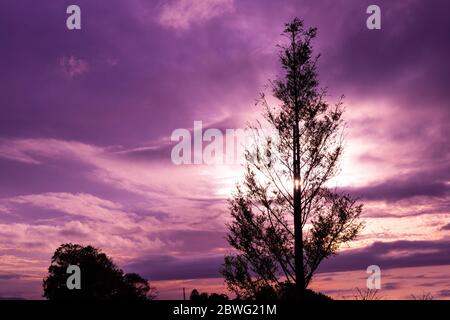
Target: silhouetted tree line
[205, 297]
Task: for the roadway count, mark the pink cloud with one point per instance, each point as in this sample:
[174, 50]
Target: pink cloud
[73, 66]
[181, 14]
[161, 183]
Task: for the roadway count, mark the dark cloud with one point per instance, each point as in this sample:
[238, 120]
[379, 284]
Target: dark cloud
[161, 151]
[195, 241]
[444, 294]
[161, 80]
[405, 56]
[391, 286]
[165, 267]
[9, 276]
[429, 183]
[185, 266]
[387, 255]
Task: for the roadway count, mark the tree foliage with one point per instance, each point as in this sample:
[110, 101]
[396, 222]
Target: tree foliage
[262, 206]
[101, 279]
[205, 297]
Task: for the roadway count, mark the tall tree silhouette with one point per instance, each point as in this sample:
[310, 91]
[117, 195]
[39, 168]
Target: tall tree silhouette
[285, 218]
[101, 279]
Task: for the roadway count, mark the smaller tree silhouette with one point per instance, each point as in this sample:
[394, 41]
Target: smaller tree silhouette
[366, 294]
[101, 279]
[423, 296]
[287, 292]
[204, 297]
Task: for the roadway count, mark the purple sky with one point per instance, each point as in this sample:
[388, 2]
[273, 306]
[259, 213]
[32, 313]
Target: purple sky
[86, 118]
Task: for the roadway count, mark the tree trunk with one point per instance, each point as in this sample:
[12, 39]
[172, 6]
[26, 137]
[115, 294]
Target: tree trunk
[298, 246]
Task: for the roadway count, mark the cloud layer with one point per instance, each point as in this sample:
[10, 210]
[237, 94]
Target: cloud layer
[86, 119]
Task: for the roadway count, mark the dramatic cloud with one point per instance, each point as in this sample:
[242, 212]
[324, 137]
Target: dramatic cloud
[86, 119]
